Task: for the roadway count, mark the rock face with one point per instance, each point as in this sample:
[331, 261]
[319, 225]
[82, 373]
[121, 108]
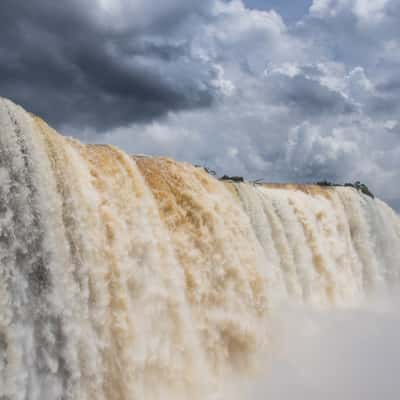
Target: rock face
[144, 278]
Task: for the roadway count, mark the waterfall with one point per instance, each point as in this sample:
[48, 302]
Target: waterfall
[145, 278]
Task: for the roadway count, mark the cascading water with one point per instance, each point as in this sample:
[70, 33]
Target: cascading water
[143, 278]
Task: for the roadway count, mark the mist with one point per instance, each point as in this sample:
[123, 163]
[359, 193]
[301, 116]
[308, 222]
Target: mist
[341, 354]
